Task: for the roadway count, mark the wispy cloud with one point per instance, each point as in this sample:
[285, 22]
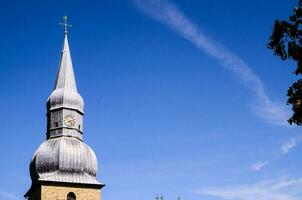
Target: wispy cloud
[289, 145]
[276, 189]
[285, 148]
[7, 195]
[259, 165]
[167, 13]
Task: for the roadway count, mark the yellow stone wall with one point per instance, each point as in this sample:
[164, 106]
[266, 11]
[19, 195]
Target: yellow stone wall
[52, 192]
[60, 193]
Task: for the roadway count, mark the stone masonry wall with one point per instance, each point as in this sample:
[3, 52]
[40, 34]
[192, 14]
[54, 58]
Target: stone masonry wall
[60, 193]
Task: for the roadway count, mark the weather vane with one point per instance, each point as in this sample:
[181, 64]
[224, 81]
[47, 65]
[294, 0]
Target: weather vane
[65, 24]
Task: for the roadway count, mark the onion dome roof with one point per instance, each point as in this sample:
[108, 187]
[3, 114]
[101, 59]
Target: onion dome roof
[64, 159]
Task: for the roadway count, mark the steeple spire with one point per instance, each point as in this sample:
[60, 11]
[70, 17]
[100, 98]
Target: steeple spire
[65, 105]
[65, 77]
[65, 93]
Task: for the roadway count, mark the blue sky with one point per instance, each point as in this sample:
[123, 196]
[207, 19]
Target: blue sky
[182, 98]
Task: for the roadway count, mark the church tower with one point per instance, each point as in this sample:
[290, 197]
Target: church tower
[64, 167]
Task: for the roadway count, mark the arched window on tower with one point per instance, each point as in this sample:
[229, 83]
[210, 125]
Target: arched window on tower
[71, 196]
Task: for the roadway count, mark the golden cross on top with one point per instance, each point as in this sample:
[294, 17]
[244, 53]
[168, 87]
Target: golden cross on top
[65, 24]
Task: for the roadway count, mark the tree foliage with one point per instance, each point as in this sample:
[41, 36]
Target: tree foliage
[286, 42]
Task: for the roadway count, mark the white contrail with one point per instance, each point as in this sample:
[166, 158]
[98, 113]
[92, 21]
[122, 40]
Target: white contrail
[167, 13]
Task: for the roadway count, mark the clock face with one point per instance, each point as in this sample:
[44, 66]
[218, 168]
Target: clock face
[69, 120]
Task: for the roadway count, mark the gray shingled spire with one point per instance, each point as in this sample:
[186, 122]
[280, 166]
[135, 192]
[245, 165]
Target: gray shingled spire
[65, 77]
